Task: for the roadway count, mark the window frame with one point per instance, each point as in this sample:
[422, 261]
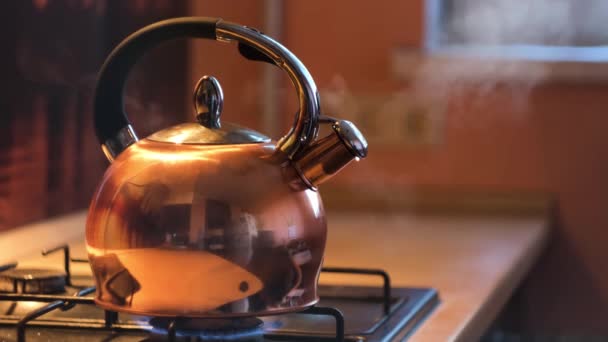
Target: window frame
[537, 53]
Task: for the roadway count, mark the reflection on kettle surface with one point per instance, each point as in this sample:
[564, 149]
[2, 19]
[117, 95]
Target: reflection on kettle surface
[120, 285]
[227, 240]
[202, 282]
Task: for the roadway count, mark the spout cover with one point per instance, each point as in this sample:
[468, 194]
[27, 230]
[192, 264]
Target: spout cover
[351, 137]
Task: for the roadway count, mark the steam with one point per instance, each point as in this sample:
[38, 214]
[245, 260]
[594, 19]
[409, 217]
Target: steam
[493, 22]
[488, 54]
[473, 63]
[473, 84]
[471, 73]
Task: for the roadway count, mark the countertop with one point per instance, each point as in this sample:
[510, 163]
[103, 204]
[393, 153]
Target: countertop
[474, 262]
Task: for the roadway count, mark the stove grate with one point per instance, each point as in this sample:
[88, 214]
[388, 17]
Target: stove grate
[111, 320]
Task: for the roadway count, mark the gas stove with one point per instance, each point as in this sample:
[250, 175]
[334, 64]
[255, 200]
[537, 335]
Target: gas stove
[46, 304]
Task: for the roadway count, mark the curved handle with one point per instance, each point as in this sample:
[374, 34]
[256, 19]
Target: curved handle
[112, 126]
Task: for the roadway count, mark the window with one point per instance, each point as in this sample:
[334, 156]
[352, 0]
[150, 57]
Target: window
[548, 30]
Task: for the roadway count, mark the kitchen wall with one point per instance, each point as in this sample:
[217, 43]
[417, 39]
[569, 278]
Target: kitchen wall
[552, 142]
[50, 160]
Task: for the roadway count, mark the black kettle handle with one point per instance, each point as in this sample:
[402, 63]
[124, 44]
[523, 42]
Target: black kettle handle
[112, 126]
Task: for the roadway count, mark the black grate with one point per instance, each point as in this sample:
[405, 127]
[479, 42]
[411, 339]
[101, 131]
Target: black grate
[111, 322]
[386, 287]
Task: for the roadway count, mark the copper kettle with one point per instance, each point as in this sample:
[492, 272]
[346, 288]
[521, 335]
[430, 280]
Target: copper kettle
[209, 219]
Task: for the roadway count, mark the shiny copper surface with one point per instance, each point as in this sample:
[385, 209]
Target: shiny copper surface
[204, 231]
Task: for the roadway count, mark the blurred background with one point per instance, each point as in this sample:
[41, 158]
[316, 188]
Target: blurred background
[458, 98]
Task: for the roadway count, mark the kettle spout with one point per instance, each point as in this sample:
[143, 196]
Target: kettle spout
[327, 156]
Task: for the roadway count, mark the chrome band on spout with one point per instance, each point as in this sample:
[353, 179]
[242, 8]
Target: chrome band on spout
[305, 129]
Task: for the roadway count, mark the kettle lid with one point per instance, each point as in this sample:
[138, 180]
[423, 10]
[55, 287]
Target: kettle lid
[208, 103]
[197, 134]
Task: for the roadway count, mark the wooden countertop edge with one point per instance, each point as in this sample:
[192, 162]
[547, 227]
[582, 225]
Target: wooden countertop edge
[483, 318]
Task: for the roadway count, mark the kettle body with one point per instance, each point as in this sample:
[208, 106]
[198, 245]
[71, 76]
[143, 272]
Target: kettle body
[209, 219]
[209, 233]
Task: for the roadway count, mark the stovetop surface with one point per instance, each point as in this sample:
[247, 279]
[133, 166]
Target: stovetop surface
[362, 308]
[361, 313]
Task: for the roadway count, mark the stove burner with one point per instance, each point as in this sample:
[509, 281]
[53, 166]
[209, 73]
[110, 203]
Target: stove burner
[32, 281]
[211, 328]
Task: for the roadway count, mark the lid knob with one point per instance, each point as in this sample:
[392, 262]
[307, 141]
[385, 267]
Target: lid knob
[208, 101]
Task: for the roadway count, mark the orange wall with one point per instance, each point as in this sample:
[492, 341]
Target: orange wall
[351, 38]
[556, 143]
